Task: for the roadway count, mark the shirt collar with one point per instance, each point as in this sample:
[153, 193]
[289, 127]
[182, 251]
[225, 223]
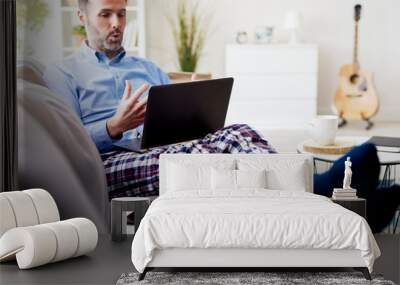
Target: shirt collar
[98, 56]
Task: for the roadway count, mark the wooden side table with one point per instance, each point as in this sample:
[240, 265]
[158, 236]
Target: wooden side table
[358, 205]
[138, 205]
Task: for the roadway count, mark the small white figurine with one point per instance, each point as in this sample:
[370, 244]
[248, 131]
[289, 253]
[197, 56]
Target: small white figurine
[347, 174]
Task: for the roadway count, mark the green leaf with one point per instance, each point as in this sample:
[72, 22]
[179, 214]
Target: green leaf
[189, 37]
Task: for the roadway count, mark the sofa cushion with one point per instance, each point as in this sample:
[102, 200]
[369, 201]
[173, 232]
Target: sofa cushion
[56, 152]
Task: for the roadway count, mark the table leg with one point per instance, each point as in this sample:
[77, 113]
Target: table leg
[116, 221]
[140, 211]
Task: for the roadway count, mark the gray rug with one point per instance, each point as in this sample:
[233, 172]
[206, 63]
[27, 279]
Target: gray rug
[243, 278]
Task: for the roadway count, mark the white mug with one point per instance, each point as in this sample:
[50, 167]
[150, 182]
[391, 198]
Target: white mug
[323, 129]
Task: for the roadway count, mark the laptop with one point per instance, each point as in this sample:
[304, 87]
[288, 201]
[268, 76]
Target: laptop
[182, 112]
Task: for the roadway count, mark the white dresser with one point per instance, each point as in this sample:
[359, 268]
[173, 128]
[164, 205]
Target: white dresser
[275, 85]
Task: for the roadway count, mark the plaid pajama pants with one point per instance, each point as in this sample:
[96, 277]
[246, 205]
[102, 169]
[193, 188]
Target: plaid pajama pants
[133, 174]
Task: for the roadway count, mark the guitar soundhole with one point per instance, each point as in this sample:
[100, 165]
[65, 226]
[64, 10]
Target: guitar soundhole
[354, 78]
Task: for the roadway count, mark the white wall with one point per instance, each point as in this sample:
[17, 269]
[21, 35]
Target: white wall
[329, 23]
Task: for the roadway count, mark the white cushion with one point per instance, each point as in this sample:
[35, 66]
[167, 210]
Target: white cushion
[34, 244]
[7, 220]
[292, 178]
[225, 179]
[251, 178]
[184, 175]
[67, 237]
[282, 174]
[26, 208]
[31, 246]
[23, 208]
[183, 178]
[87, 233]
[283, 163]
[40, 244]
[45, 205]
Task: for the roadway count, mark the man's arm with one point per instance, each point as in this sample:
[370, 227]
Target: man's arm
[104, 133]
[64, 86]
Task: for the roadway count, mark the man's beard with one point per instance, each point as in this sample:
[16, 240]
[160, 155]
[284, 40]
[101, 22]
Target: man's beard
[109, 43]
[113, 41]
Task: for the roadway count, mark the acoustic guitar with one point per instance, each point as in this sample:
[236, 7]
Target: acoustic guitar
[356, 96]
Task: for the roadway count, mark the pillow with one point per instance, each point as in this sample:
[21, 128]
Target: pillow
[281, 174]
[223, 179]
[237, 179]
[193, 175]
[293, 178]
[182, 177]
[251, 178]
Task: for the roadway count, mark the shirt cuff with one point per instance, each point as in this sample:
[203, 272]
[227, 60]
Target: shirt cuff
[139, 131]
[98, 132]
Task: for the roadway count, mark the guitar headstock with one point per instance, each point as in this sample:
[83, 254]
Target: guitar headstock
[357, 12]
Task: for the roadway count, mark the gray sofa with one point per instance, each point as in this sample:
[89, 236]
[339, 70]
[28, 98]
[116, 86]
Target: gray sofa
[55, 152]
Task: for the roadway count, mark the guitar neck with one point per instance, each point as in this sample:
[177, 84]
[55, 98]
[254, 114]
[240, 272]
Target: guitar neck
[357, 16]
[355, 50]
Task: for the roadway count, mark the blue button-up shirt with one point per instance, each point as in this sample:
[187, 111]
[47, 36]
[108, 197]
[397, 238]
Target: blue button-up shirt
[92, 85]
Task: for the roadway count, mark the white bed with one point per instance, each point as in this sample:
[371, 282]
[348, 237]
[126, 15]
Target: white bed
[203, 220]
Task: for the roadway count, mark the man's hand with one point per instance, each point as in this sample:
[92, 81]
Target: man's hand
[130, 112]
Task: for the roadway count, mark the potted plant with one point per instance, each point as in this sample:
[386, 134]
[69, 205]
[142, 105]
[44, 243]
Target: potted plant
[79, 33]
[189, 42]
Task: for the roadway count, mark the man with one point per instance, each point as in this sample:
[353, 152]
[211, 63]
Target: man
[103, 86]
[107, 90]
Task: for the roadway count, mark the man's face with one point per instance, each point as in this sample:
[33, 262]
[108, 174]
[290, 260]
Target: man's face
[105, 22]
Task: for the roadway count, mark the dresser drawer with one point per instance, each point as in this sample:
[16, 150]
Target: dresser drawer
[271, 59]
[272, 113]
[291, 86]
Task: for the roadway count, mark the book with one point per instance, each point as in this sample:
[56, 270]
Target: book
[344, 198]
[341, 190]
[345, 194]
[386, 144]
